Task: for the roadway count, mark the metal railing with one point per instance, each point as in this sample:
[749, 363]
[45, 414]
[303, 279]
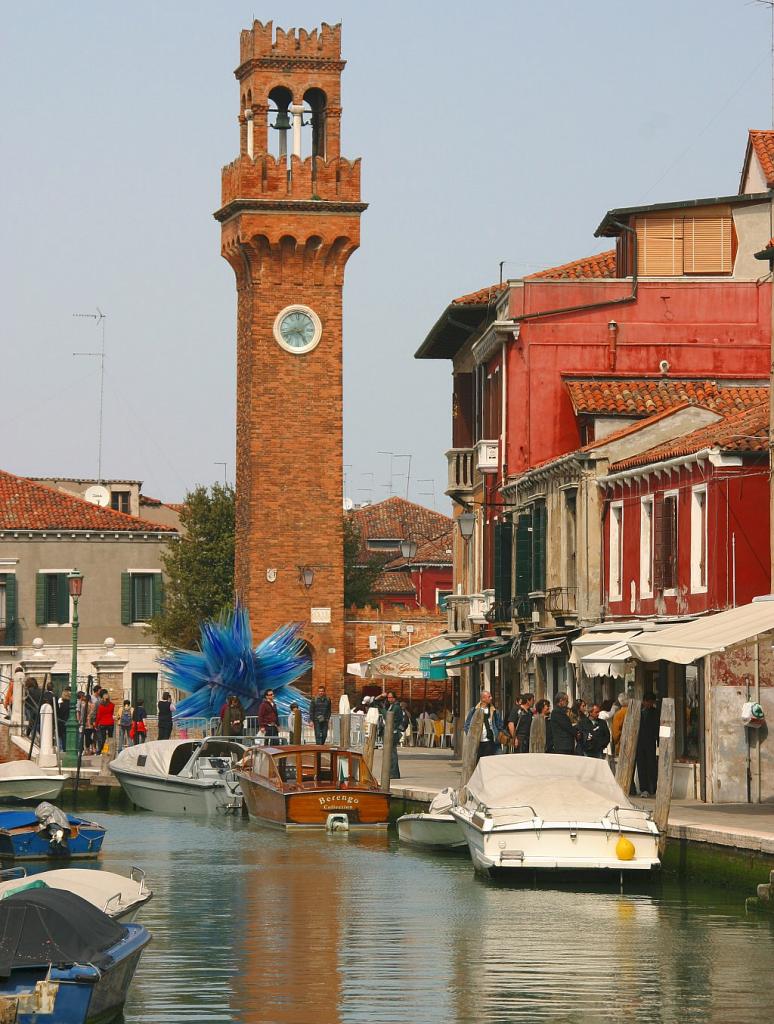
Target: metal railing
[561, 599]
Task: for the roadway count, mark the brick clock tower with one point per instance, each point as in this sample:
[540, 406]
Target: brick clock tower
[290, 217]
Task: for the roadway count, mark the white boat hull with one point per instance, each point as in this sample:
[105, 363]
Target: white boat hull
[431, 831]
[556, 846]
[31, 788]
[174, 795]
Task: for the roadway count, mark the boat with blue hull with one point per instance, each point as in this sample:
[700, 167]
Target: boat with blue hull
[62, 961]
[43, 835]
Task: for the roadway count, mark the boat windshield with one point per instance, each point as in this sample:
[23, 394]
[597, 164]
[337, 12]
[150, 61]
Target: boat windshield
[321, 768]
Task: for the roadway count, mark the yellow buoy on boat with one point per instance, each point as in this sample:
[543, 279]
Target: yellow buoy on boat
[624, 849]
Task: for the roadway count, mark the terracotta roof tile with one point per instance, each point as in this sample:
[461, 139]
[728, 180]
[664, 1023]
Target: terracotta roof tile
[393, 583]
[482, 297]
[648, 396]
[25, 505]
[741, 430]
[398, 519]
[436, 551]
[601, 264]
[763, 146]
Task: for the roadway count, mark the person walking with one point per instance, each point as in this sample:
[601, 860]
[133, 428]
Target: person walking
[647, 762]
[563, 732]
[138, 728]
[62, 714]
[618, 723]
[32, 704]
[268, 716]
[597, 736]
[580, 719]
[320, 713]
[232, 717]
[104, 720]
[124, 725]
[491, 726]
[398, 725]
[520, 723]
[165, 716]
[543, 708]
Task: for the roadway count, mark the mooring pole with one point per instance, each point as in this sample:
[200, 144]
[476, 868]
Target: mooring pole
[624, 771]
[666, 763]
[537, 735]
[296, 732]
[470, 746]
[387, 746]
[344, 728]
[369, 745]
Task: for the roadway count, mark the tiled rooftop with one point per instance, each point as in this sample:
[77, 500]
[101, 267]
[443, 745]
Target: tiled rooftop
[393, 583]
[436, 551]
[482, 297]
[26, 505]
[398, 519]
[763, 145]
[647, 396]
[745, 430]
[602, 264]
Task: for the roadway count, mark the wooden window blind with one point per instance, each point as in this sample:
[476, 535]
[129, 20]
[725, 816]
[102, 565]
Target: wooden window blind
[700, 242]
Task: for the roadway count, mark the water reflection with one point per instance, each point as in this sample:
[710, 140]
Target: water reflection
[253, 926]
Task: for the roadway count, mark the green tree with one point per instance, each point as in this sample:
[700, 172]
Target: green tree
[359, 577]
[199, 568]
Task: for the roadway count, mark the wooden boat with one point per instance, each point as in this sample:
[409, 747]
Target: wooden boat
[301, 786]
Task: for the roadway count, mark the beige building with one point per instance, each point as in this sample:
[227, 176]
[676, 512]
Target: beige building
[45, 532]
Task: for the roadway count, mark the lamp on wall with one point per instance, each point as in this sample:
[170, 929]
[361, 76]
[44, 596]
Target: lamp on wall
[467, 524]
[306, 575]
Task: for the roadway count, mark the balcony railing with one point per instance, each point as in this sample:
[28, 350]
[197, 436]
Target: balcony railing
[460, 464]
[562, 600]
[458, 614]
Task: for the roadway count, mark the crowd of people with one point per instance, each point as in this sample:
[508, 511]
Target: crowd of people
[577, 729]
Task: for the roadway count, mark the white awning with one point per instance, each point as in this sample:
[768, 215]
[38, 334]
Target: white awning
[688, 641]
[610, 661]
[592, 642]
[403, 663]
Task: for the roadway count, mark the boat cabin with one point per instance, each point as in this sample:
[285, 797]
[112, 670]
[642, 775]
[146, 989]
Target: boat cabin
[309, 767]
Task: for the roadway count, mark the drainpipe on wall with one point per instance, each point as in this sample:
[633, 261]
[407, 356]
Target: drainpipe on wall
[612, 344]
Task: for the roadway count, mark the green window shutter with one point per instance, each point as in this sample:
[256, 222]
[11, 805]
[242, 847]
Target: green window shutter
[11, 606]
[40, 599]
[523, 555]
[539, 546]
[503, 534]
[62, 599]
[126, 598]
[158, 593]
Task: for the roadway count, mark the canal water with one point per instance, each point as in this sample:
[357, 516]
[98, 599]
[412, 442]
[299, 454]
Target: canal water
[250, 925]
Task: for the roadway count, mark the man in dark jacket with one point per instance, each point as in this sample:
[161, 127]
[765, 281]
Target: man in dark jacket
[597, 734]
[520, 722]
[647, 763]
[320, 713]
[268, 716]
[563, 732]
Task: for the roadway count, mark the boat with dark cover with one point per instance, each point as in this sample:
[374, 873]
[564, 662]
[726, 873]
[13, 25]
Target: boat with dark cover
[62, 961]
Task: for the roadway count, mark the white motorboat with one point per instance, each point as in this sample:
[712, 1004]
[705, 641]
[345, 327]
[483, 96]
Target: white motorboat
[118, 896]
[24, 780]
[181, 776]
[435, 829]
[553, 812]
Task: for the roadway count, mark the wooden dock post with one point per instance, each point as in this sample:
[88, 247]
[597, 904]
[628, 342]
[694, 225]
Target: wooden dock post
[370, 744]
[296, 733]
[387, 745]
[666, 763]
[537, 735]
[470, 746]
[627, 751]
[345, 723]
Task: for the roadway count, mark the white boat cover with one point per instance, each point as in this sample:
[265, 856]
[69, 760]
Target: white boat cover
[157, 756]
[557, 787]
[443, 801]
[26, 770]
[93, 885]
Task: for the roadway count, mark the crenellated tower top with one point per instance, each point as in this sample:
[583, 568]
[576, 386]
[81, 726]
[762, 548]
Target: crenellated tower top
[261, 43]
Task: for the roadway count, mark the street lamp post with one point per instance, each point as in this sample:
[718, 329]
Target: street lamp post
[75, 586]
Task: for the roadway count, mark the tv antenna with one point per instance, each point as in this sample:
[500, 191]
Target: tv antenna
[99, 317]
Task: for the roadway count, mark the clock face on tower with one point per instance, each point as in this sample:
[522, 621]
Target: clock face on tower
[297, 329]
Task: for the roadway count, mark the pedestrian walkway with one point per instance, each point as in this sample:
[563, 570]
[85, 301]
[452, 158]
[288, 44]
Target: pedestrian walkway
[741, 826]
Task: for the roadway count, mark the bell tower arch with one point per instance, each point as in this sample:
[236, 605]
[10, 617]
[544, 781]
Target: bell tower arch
[290, 219]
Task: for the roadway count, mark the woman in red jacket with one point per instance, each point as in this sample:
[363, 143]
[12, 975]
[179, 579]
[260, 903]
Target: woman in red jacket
[105, 720]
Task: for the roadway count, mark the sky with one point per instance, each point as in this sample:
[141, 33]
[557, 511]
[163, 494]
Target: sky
[488, 131]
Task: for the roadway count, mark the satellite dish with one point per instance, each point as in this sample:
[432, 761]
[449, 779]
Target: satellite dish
[348, 504]
[98, 495]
